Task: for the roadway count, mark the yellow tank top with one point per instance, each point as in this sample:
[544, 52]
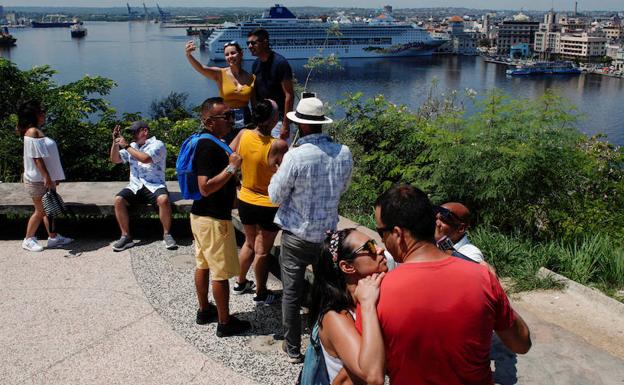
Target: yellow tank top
[232, 96]
[254, 149]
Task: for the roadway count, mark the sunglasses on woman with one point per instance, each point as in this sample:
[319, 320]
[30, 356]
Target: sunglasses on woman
[370, 247]
[230, 43]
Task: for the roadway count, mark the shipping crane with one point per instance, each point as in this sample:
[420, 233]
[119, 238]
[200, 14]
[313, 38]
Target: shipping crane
[131, 14]
[164, 15]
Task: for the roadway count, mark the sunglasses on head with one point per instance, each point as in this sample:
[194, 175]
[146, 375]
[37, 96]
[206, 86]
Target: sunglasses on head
[229, 115]
[230, 43]
[447, 216]
[370, 247]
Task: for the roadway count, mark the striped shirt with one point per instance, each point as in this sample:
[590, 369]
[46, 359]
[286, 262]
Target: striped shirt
[308, 185]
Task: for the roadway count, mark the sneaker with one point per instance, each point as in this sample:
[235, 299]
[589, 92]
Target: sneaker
[234, 327]
[125, 242]
[244, 288]
[170, 243]
[31, 244]
[292, 358]
[267, 298]
[58, 241]
[206, 316]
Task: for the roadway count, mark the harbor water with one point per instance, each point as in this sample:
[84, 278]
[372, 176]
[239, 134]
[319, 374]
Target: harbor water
[147, 62]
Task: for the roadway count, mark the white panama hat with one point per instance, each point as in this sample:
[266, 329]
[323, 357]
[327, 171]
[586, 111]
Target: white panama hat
[309, 111]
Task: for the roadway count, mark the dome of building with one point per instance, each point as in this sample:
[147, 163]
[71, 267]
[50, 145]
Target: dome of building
[521, 17]
[456, 19]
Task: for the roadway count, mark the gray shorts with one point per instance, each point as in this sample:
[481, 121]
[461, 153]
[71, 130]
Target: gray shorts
[35, 189]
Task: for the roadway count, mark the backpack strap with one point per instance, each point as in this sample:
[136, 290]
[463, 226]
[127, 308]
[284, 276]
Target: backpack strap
[225, 147]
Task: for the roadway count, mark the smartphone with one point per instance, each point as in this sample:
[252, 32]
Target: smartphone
[445, 243]
[308, 95]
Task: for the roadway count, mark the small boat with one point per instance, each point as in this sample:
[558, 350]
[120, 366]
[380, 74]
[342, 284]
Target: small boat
[190, 31]
[6, 39]
[544, 68]
[78, 30]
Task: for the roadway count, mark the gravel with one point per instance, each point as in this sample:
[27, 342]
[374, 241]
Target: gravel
[166, 277]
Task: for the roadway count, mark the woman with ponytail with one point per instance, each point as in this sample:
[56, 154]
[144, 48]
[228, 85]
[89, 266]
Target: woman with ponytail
[42, 172]
[261, 155]
[347, 275]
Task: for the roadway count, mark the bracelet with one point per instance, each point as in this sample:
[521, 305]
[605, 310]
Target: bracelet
[230, 169]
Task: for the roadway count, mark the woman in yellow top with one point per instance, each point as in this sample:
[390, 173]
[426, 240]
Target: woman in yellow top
[236, 86]
[261, 155]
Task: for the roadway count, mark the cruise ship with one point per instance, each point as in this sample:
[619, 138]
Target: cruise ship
[296, 38]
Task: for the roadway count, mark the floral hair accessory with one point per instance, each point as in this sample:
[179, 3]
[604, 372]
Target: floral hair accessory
[333, 245]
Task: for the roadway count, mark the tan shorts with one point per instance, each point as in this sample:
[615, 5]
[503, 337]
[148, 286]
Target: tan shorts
[215, 247]
[34, 189]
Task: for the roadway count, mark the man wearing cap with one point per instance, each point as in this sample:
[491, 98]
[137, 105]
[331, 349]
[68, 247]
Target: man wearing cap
[273, 79]
[147, 156]
[307, 187]
[453, 221]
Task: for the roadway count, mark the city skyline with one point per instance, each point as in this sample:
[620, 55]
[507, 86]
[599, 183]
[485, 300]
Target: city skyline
[477, 4]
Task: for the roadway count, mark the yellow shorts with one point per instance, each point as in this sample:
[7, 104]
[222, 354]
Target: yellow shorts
[215, 247]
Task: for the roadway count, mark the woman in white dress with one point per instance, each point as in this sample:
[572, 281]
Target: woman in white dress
[42, 172]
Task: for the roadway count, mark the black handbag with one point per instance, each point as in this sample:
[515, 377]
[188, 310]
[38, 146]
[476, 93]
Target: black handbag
[53, 204]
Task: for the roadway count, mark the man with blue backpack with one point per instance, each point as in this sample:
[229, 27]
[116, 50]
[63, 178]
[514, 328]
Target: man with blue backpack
[213, 166]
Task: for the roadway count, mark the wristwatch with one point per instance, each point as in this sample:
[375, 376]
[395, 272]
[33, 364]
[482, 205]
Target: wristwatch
[230, 169]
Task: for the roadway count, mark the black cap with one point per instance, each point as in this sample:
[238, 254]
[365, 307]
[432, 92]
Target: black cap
[136, 126]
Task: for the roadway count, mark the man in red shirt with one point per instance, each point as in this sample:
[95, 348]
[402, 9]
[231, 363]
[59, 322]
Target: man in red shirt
[437, 312]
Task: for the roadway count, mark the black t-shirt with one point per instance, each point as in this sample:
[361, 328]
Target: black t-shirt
[269, 77]
[210, 160]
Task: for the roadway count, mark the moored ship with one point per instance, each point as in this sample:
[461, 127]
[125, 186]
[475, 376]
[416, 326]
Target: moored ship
[53, 21]
[545, 68]
[6, 39]
[296, 38]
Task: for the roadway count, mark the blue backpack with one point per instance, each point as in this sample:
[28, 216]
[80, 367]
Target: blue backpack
[314, 371]
[187, 176]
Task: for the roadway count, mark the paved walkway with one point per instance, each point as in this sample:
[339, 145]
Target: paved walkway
[91, 316]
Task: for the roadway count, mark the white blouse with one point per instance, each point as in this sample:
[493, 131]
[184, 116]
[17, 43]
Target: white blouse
[46, 149]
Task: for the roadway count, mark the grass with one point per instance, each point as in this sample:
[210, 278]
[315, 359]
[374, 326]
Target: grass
[594, 260]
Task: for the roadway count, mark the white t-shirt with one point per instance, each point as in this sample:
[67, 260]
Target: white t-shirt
[46, 149]
[468, 249]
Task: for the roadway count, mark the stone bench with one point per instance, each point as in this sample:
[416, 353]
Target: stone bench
[96, 199]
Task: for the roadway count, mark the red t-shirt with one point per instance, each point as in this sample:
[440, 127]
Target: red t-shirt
[437, 320]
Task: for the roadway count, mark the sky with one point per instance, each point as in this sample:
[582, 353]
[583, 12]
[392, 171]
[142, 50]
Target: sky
[489, 4]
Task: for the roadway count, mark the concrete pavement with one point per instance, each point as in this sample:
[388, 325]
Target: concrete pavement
[91, 316]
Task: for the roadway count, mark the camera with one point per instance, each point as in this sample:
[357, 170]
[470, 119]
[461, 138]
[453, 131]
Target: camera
[308, 95]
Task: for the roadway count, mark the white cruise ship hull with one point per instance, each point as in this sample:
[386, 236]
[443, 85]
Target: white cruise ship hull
[303, 38]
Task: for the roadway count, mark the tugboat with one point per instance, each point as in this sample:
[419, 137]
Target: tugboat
[6, 39]
[78, 30]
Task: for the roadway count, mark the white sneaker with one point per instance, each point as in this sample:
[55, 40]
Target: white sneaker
[31, 244]
[58, 241]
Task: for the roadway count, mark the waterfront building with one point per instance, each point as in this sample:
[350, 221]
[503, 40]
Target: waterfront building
[613, 32]
[519, 30]
[584, 46]
[618, 63]
[460, 41]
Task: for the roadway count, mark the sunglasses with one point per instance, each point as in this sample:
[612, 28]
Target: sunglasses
[382, 230]
[225, 116]
[230, 43]
[447, 216]
[370, 247]
[253, 43]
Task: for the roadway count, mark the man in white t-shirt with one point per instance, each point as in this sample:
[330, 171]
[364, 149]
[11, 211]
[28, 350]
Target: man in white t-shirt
[146, 156]
[453, 221]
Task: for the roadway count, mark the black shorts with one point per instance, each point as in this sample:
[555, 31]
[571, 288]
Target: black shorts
[257, 215]
[143, 196]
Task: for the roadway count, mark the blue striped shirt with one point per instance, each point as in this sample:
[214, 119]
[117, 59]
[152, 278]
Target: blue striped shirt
[308, 185]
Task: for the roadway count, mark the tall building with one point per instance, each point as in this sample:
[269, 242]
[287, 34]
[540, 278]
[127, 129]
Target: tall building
[519, 30]
[546, 37]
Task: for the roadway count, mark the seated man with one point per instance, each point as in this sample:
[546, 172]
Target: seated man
[147, 158]
[453, 221]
